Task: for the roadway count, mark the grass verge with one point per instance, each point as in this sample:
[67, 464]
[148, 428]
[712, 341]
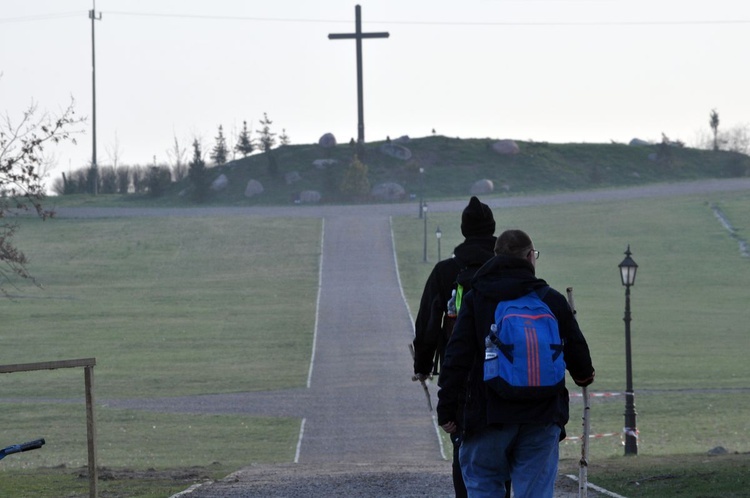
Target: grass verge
[689, 322]
[720, 476]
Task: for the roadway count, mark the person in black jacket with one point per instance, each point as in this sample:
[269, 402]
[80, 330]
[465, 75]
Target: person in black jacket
[506, 438]
[432, 326]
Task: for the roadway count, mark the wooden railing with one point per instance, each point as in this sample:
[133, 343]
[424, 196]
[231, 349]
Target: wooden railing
[88, 370]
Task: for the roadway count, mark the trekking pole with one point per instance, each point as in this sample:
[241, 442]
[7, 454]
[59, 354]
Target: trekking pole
[19, 448]
[583, 464]
[421, 381]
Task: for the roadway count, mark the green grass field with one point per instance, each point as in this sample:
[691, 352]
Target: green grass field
[690, 331]
[167, 306]
[179, 306]
[689, 312]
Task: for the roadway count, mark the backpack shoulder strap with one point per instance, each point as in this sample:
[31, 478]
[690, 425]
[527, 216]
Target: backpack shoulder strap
[542, 291]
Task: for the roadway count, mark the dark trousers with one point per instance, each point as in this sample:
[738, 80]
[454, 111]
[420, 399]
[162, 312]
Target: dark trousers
[458, 478]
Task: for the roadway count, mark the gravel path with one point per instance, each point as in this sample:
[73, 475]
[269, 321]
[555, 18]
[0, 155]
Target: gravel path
[366, 430]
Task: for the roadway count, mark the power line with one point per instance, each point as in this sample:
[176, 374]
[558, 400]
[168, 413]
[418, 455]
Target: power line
[445, 23]
[412, 23]
[40, 17]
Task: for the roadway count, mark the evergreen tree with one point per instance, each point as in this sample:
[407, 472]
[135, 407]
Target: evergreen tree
[244, 141]
[267, 141]
[198, 174]
[714, 122]
[219, 152]
[284, 138]
[267, 138]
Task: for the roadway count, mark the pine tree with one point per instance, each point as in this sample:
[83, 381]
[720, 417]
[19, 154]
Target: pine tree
[284, 138]
[198, 174]
[219, 152]
[244, 141]
[267, 138]
[714, 122]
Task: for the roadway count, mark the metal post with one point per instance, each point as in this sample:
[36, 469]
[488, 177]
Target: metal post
[424, 210]
[421, 191]
[439, 236]
[631, 440]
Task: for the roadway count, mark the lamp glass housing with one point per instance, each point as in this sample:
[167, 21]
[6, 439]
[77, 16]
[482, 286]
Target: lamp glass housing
[628, 269]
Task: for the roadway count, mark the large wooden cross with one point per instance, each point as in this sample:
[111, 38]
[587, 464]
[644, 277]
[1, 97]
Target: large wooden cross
[359, 35]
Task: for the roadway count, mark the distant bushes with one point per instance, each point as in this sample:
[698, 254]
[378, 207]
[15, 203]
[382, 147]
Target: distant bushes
[151, 180]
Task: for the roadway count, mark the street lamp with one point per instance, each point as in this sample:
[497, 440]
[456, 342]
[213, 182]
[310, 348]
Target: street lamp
[421, 191]
[438, 236]
[628, 268]
[424, 211]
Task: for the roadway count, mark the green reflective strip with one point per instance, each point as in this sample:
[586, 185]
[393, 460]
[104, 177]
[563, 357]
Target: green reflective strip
[459, 296]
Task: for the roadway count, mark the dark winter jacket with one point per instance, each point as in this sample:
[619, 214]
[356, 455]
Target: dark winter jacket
[430, 336]
[503, 278]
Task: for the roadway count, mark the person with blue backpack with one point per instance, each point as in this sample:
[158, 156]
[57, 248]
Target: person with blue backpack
[505, 363]
[447, 282]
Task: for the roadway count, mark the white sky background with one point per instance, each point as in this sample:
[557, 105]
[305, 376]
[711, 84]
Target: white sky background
[542, 70]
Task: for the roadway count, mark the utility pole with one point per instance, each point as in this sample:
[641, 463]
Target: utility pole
[94, 168]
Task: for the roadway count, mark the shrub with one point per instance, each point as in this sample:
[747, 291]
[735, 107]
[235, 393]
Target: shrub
[158, 179]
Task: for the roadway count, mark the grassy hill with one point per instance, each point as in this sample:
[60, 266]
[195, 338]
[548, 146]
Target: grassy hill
[452, 165]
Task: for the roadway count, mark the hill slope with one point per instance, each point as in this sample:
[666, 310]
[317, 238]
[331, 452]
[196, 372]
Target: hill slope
[451, 166]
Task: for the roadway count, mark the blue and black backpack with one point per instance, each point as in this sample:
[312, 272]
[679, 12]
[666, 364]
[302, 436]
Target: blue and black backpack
[524, 351]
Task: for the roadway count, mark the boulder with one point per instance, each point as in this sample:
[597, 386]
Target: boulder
[389, 191]
[324, 163]
[506, 147]
[482, 187]
[327, 141]
[395, 150]
[292, 177]
[254, 187]
[403, 139]
[309, 197]
[639, 142]
[220, 183]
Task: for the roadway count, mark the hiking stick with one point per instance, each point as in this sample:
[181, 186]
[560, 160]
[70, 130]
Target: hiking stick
[583, 464]
[421, 381]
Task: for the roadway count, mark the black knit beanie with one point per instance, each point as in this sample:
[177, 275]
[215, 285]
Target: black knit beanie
[477, 219]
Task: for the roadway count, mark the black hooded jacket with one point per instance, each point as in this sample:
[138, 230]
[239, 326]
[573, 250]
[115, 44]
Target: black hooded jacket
[503, 278]
[430, 337]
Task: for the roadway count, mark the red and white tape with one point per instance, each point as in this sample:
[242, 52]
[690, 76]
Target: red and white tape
[592, 436]
[595, 395]
[626, 431]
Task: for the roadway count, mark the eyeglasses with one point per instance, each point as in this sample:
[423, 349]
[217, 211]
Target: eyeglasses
[536, 253]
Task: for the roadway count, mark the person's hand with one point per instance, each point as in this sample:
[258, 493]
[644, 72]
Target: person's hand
[419, 377]
[585, 382]
[449, 427]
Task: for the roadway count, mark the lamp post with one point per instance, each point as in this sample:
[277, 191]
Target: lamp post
[421, 191]
[438, 236]
[628, 268]
[424, 213]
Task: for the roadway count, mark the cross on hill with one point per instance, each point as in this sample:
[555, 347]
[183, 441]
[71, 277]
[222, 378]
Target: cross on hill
[358, 35]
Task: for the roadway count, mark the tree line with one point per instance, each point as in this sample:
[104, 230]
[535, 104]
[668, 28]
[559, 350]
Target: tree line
[154, 179]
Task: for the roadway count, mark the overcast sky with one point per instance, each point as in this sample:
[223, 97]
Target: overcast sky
[542, 70]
